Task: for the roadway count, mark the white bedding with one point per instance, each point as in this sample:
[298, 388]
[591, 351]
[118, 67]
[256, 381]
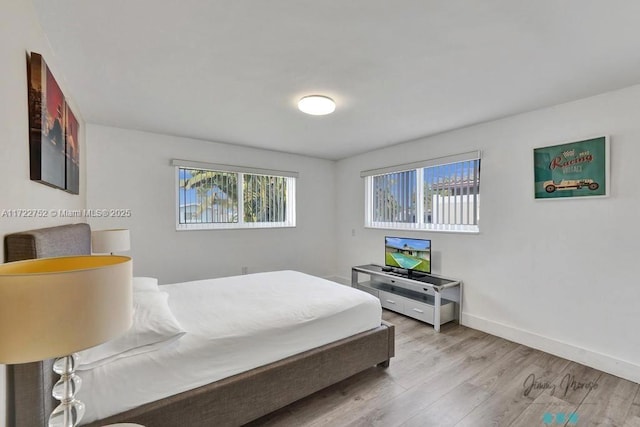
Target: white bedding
[232, 325]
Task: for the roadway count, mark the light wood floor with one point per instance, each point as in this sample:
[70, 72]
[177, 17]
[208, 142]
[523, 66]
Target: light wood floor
[463, 377]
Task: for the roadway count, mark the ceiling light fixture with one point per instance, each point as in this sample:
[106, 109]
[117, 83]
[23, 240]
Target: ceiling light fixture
[317, 105]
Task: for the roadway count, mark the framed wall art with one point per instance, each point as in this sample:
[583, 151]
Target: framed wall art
[53, 130]
[574, 169]
[72, 154]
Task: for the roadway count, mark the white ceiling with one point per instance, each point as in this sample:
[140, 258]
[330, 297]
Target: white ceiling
[233, 70]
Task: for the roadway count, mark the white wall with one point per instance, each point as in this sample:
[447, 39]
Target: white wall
[20, 33]
[131, 170]
[557, 275]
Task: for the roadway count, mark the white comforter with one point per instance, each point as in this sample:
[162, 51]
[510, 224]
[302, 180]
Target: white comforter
[233, 324]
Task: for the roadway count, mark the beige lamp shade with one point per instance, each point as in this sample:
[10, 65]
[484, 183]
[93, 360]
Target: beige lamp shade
[110, 241]
[52, 307]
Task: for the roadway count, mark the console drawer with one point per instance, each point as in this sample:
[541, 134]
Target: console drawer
[407, 306]
[419, 311]
[391, 301]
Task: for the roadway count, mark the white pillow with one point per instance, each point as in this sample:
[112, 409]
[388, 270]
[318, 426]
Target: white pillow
[154, 326]
[145, 284]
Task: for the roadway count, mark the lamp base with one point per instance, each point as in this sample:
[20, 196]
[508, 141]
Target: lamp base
[70, 411]
[67, 414]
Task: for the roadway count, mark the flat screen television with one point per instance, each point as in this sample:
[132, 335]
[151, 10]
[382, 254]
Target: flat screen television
[413, 255]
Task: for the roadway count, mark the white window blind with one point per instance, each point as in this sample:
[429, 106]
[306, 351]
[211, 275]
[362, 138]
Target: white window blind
[211, 196]
[438, 194]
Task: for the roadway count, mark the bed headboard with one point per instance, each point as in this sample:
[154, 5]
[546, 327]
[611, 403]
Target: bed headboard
[65, 240]
[29, 385]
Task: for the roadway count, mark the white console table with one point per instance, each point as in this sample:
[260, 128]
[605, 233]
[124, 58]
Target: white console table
[429, 298]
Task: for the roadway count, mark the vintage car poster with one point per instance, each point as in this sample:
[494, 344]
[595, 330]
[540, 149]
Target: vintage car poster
[575, 169]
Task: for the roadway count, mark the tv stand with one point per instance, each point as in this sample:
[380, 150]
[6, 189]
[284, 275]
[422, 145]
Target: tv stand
[426, 297]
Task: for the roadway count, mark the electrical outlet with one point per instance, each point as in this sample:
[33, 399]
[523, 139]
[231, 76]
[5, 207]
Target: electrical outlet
[245, 270]
[353, 232]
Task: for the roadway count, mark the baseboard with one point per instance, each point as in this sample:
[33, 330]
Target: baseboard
[602, 362]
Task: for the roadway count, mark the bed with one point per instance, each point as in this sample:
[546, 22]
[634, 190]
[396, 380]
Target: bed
[233, 400]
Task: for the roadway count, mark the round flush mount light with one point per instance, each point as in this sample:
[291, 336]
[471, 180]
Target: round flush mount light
[317, 105]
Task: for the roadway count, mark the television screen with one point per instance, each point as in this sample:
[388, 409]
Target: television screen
[410, 254]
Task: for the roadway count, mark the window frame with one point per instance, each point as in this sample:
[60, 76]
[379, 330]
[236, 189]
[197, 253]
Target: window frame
[420, 223]
[290, 194]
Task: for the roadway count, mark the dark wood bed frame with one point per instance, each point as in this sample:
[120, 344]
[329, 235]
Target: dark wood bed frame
[232, 401]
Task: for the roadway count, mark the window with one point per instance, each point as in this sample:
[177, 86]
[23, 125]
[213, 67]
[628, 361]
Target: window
[220, 196]
[439, 194]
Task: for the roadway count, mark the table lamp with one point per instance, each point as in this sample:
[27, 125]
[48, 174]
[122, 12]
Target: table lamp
[53, 307]
[110, 241]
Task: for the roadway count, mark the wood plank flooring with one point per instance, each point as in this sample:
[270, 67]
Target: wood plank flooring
[463, 377]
